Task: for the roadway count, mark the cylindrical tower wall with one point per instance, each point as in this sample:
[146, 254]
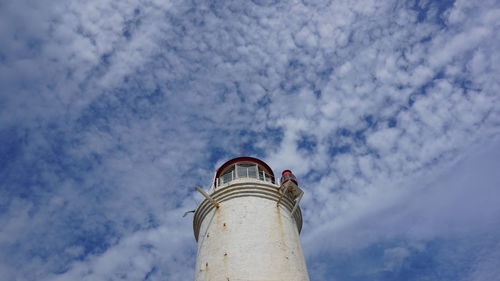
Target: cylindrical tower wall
[248, 237]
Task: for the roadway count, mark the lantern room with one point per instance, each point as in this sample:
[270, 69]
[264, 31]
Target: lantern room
[243, 167]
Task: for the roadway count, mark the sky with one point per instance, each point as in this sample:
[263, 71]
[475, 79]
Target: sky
[387, 112]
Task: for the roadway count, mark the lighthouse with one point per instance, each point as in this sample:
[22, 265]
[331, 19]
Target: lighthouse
[248, 225]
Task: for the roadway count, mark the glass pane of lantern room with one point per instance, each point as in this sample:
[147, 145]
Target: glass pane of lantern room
[252, 171]
[227, 176]
[261, 174]
[269, 178]
[242, 170]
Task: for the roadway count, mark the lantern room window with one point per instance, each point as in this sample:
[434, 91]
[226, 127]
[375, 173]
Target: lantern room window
[227, 176]
[244, 170]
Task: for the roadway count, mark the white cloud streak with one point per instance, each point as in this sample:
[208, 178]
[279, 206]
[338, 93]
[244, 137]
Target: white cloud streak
[113, 111]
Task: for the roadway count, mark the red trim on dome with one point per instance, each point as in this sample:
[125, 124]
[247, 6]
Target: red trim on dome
[243, 159]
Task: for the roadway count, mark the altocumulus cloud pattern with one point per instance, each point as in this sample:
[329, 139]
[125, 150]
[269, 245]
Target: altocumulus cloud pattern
[112, 111]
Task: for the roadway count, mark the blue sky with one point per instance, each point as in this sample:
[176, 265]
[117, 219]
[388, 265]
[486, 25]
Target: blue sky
[387, 111]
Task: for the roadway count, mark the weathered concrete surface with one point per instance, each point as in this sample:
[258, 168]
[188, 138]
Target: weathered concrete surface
[248, 237]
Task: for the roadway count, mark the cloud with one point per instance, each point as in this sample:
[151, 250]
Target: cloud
[160, 253]
[393, 258]
[456, 204]
[112, 112]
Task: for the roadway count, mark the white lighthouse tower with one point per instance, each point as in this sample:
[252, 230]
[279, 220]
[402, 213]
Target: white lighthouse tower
[248, 226]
